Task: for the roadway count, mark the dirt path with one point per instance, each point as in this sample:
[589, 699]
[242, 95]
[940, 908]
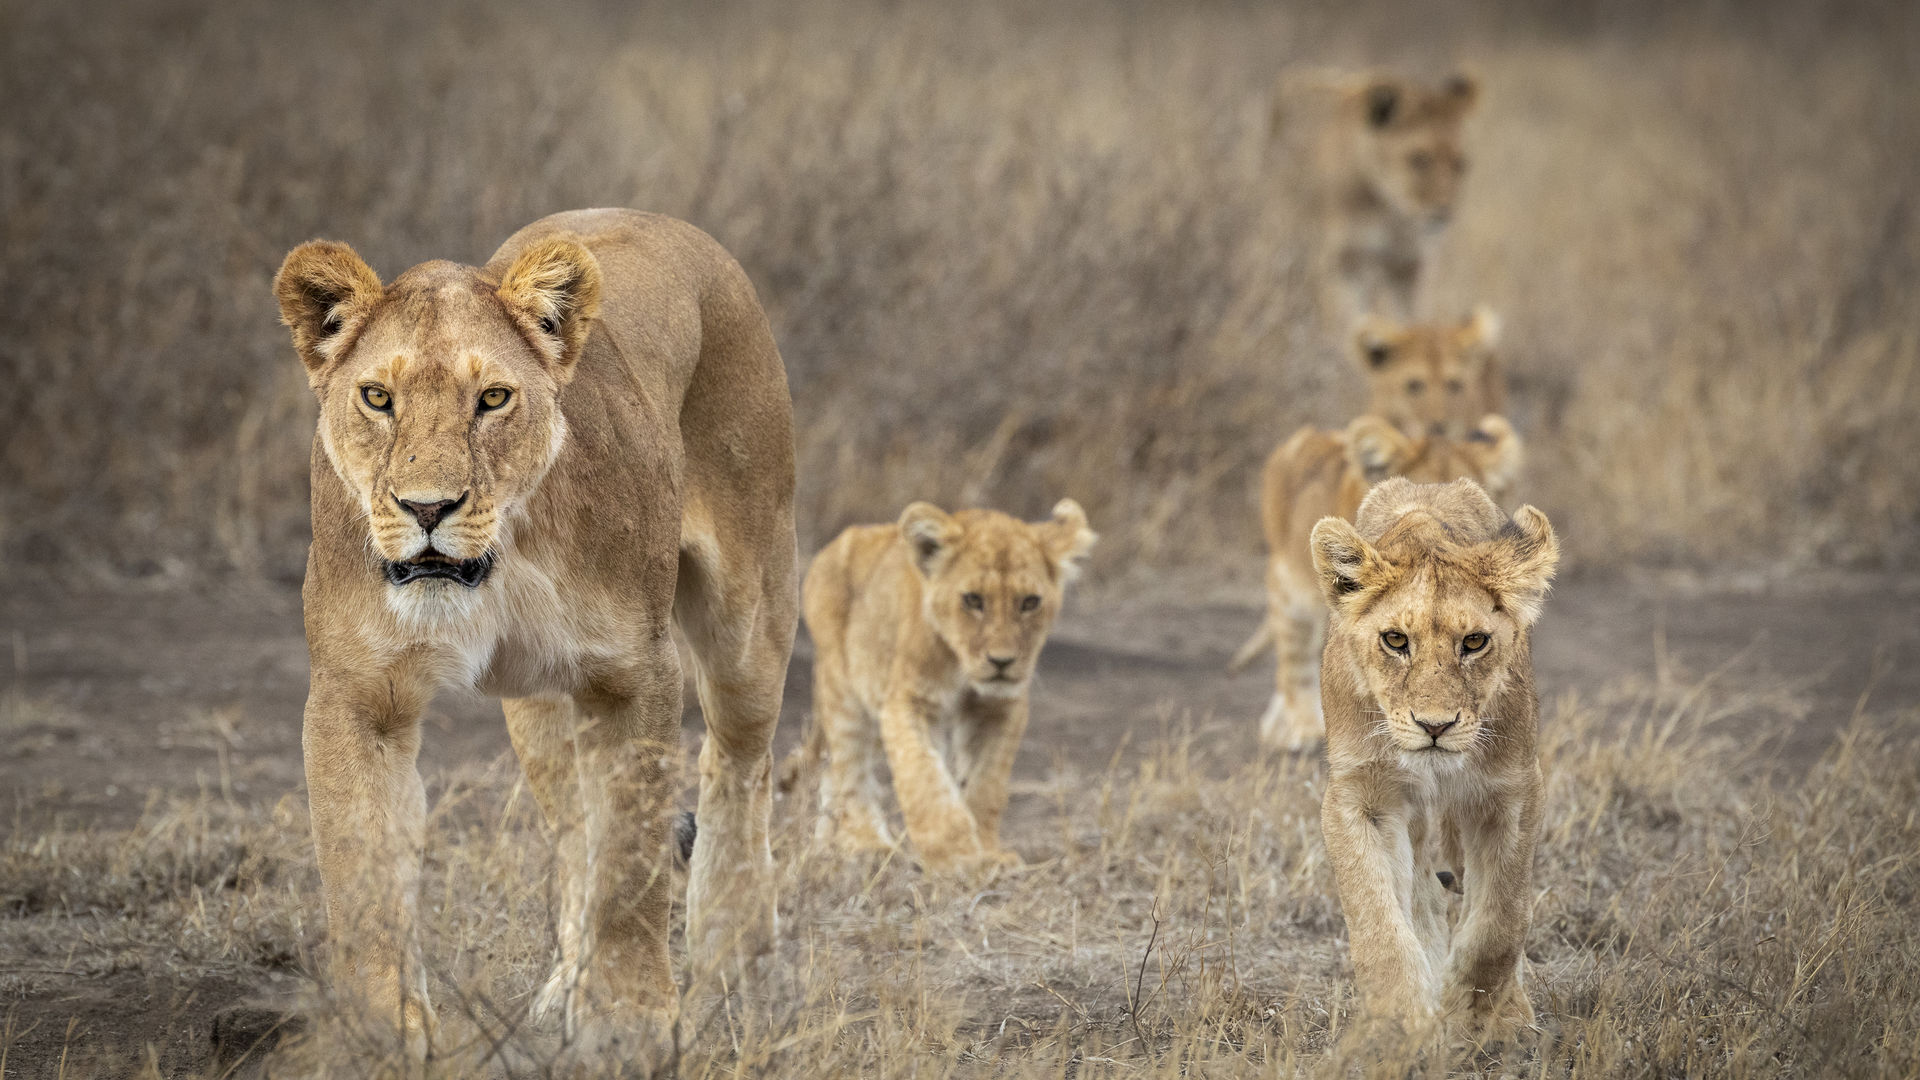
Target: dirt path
[111, 698]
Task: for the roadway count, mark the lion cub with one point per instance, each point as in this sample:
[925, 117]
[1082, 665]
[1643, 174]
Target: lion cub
[925, 636]
[1427, 682]
[1317, 474]
[1434, 378]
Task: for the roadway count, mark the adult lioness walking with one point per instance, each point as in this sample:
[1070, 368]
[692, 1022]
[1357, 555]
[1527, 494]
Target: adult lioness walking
[524, 474]
[1427, 682]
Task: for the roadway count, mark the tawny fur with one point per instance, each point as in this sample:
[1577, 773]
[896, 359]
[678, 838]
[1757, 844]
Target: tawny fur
[1431, 756]
[1390, 160]
[907, 622]
[639, 475]
[1319, 473]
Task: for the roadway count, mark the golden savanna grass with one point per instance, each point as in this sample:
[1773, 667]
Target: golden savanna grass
[1009, 252]
[1176, 918]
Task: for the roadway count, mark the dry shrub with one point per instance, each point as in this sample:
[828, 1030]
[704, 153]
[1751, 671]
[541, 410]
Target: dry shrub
[1010, 253]
[1697, 915]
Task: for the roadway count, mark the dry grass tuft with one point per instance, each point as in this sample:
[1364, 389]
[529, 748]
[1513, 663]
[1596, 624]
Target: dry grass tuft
[1176, 918]
[1010, 253]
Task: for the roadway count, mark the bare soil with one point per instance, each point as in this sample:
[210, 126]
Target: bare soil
[114, 703]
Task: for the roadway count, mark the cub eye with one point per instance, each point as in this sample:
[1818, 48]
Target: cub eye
[1416, 387]
[1394, 640]
[1455, 386]
[973, 601]
[1029, 603]
[1421, 160]
[377, 399]
[1377, 355]
[1473, 643]
[494, 397]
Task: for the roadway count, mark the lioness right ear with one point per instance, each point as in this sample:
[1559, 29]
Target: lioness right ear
[1345, 564]
[552, 289]
[930, 533]
[1068, 539]
[1519, 564]
[326, 292]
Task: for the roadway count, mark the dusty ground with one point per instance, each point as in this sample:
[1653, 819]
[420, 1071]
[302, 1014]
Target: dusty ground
[116, 704]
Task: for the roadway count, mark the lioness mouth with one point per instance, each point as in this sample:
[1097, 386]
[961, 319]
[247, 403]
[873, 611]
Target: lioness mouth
[432, 564]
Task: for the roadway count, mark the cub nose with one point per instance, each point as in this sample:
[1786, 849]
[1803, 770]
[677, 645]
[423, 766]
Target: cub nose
[1001, 663]
[1436, 730]
[1437, 428]
[428, 514]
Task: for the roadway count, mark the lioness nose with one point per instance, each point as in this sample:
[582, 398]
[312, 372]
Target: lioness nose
[428, 514]
[1436, 730]
[1001, 663]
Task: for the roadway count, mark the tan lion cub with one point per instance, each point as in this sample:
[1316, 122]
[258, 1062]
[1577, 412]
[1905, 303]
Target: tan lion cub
[1427, 682]
[925, 636]
[1319, 473]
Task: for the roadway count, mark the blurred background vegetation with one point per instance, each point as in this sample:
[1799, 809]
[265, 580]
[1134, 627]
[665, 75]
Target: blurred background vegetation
[1010, 251]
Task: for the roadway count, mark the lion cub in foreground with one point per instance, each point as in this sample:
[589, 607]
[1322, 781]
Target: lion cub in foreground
[1317, 474]
[925, 636]
[1433, 776]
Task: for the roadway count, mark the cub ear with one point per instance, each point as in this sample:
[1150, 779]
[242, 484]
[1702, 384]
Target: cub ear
[1496, 451]
[552, 289]
[1373, 341]
[930, 533]
[1346, 565]
[326, 293]
[1520, 562]
[1376, 448]
[1481, 328]
[1382, 102]
[1067, 538]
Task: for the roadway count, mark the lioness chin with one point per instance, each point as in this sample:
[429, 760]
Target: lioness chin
[1433, 778]
[525, 474]
[926, 633]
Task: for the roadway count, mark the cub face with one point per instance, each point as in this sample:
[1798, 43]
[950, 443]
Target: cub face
[439, 394]
[991, 585]
[1406, 142]
[1431, 378]
[1434, 623]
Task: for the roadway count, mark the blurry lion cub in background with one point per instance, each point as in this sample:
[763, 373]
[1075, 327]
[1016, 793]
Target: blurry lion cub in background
[925, 637]
[1432, 378]
[1317, 474]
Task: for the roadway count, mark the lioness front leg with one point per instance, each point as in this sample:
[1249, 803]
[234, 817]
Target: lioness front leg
[1364, 818]
[1483, 989]
[996, 727]
[937, 817]
[542, 733]
[361, 740]
[627, 740]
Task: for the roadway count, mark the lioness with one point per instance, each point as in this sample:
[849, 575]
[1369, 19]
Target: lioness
[1316, 474]
[1391, 162]
[925, 636]
[1433, 779]
[1434, 378]
[525, 474]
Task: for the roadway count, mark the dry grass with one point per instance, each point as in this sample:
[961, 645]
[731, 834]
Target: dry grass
[1010, 253]
[1176, 918]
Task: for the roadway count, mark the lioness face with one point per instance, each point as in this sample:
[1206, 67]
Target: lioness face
[439, 394]
[1429, 378]
[1432, 624]
[1408, 144]
[992, 585]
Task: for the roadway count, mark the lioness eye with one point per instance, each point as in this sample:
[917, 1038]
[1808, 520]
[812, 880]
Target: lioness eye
[1454, 386]
[376, 398]
[1416, 386]
[1473, 643]
[493, 398]
[974, 601]
[548, 326]
[1029, 603]
[1395, 640]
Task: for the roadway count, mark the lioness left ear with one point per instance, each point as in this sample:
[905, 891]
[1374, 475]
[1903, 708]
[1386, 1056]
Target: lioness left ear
[1520, 562]
[930, 533]
[552, 289]
[1068, 539]
[325, 293]
[1345, 564]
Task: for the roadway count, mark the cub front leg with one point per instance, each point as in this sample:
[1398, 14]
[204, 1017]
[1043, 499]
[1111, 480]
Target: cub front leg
[361, 739]
[1365, 820]
[937, 817]
[1483, 989]
[994, 728]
